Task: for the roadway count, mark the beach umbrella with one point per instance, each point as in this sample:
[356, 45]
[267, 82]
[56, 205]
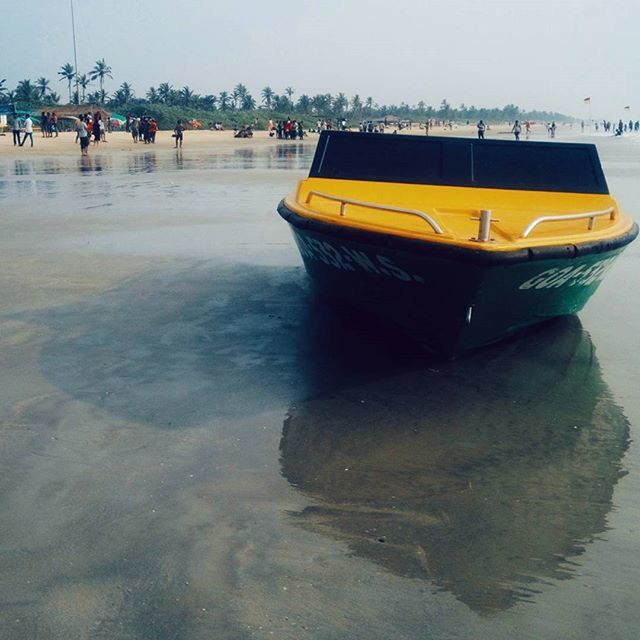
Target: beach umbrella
[23, 113]
[118, 118]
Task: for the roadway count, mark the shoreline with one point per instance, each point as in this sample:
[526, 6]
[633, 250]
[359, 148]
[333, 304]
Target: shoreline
[207, 140]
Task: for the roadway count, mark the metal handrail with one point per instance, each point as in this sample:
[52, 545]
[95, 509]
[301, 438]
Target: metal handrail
[592, 215]
[371, 205]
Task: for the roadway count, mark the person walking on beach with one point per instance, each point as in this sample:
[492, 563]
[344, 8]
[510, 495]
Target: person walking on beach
[516, 130]
[97, 134]
[178, 133]
[133, 127]
[481, 129]
[153, 129]
[15, 128]
[83, 135]
[28, 130]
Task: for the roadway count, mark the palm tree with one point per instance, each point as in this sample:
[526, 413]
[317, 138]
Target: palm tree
[93, 97]
[239, 94]
[356, 105]
[3, 90]
[289, 91]
[223, 100]
[43, 86]
[83, 81]
[280, 103]
[68, 73]
[11, 98]
[267, 96]
[368, 103]
[208, 101]
[511, 112]
[248, 102]
[118, 98]
[26, 92]
[340, 104]
[304, 103]
[445, 109]
[186, 96]
[52, 98]
[321, 103]
[127, 91]
[153, 95]
[165, 92]
[101, 70]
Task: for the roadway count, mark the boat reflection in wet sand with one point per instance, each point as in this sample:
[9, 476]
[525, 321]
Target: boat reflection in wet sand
[459, 242]
[485, 477]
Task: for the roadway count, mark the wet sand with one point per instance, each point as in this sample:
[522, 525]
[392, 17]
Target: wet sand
[120, 141]
[195, 447]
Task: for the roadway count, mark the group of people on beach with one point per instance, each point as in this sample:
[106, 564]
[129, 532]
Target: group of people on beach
[90, 126]
[142, 129]
[371, 127]
[620, 128]
[286, 129]
[22, 126]
[517, 129]
[49, 124]
[624, 127]
[245, 131]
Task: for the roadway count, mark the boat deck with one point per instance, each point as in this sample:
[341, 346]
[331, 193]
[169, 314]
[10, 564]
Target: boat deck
[452, 215]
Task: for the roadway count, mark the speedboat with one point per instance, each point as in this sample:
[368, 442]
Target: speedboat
[457, 242]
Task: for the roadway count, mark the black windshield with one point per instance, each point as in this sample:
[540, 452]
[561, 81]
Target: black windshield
[463, 162]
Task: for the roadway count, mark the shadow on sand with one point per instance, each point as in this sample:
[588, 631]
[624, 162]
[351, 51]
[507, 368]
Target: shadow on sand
[184, 347]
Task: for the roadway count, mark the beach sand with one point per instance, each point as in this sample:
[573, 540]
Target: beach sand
[119, 142]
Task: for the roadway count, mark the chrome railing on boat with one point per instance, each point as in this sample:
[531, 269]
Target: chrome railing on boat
[371, 205]
[591, 215]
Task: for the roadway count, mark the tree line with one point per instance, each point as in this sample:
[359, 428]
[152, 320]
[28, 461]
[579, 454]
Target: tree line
[231, 105]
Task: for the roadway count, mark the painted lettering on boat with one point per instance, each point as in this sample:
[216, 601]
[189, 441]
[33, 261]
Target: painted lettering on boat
[348, 259]
[580, 276]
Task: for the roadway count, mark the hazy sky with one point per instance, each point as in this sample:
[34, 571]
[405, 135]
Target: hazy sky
[538, 54]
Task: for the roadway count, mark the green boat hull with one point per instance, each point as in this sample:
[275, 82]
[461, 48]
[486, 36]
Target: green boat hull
[449, 300]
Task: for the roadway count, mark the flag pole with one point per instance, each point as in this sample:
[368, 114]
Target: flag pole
[587, 100]
[75, 52]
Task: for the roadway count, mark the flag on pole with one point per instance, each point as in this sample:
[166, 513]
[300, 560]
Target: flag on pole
[587, 99]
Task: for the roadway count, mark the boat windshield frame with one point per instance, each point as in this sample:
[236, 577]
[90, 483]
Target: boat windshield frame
[460, 162]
